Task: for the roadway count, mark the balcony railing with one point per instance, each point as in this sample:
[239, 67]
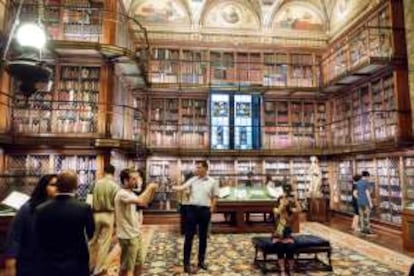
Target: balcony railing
[64, 118]
[71, 118]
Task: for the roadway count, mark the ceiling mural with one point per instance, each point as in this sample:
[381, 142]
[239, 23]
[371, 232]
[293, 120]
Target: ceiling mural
[341, 10]
[298, 17]
[312, 18]
[161, 12]
[231, 15]
[346, 10]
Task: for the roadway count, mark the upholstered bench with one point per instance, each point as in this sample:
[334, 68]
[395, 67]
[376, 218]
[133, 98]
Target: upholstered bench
[304, 244]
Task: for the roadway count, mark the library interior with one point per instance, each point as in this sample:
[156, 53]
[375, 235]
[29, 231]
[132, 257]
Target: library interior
[279, 97]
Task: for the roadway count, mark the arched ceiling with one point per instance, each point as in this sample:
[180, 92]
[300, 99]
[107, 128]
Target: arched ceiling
[317, 18]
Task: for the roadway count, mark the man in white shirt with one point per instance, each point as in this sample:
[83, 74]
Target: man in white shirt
[204, 191]
[128, 223]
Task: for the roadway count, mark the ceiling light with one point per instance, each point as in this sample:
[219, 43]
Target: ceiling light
[31, 35]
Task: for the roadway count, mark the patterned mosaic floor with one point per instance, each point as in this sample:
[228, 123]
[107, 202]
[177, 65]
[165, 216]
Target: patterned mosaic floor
[232, 254]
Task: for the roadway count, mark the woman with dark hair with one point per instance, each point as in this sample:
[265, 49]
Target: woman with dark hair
[20, 248]
[282, 236]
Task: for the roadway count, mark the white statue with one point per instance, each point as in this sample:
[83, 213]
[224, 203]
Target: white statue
[315, 178]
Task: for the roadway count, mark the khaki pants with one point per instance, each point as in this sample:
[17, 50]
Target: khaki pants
[364, 217]
[101, 241]
[131, 255]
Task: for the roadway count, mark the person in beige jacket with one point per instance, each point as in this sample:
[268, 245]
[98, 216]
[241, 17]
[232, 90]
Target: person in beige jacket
[103, 207]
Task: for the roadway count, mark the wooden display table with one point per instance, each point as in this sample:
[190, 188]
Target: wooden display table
[408, 229]
[238, 208]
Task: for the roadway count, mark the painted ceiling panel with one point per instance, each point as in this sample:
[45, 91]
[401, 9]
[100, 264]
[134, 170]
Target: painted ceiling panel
[347, 10]
[298, 17]
[231, 15]
[341, 10]
[314, 17]
[161, 12]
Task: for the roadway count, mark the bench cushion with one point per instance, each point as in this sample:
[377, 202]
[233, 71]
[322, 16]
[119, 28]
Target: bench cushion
[264, 243]
[306, 241]
[303, 244]
[302, 241]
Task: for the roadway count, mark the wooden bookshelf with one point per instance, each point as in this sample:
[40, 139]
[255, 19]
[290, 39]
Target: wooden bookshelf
[344, 184]
[75, 20]
[235, 172]
[176, 122]
[77, 99]
[390, 194]
[301, 70]
[361, 119]
[27, 168]
[193, 67]
[166, 172]
[275, 69]
[321, 125]
[82, 20]
[85, 167]
[326, 180]
[385, 115]
[408, 178]
[165, 67]
[163, 122]
[368, 42]
[276, 124]
[32, 114]
[246, 167]
[367, 114]
[193, 123]
[128, 114]
[222, 67]
[299, 169]
[389, 187]
[181, 66]
[278, 169]
[294, 123]
[70, 106]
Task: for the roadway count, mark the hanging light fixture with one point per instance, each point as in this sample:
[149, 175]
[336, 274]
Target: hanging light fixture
[28, 67]
[31, 35]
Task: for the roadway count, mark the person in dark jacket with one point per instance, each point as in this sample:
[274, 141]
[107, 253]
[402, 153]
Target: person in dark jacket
[62, 227]
[20, 246]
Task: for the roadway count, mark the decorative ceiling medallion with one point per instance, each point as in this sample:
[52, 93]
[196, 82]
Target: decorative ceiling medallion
[231, 15]
[297, 17]
[162, 12]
